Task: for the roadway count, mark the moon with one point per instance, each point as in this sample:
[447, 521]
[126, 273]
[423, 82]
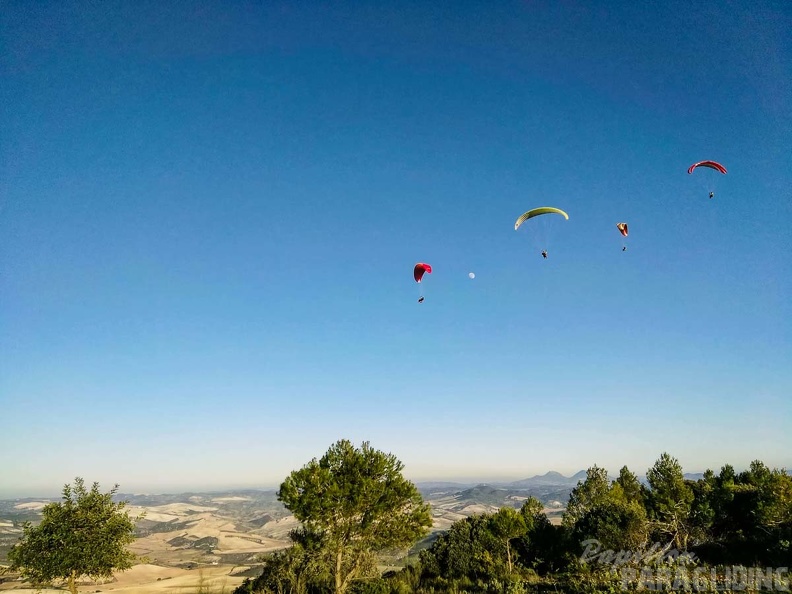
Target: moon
[471, 275]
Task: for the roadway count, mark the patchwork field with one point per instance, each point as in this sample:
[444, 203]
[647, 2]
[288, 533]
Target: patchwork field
[215, 540]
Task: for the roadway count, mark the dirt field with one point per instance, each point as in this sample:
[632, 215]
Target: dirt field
[154, 579]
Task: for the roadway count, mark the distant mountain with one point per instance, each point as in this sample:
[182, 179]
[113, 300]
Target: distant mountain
[544, 482]
[579, 476]
[551, 488]
[549, 479]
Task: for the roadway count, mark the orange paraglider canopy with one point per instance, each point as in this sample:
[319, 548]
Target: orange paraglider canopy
[622, 227]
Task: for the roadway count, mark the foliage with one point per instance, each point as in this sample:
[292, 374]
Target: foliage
[633, 490]
[730, 518]
[507, 524]
[84, 535]
[670, 500]
[611, 513]
[616, 524]
[748, 516]
[590, 493]
[295, 570]
[353, 504]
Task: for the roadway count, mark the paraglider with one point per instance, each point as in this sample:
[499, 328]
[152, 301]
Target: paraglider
[420, 269]
[711, 165]
[536, 212]
[622, 227]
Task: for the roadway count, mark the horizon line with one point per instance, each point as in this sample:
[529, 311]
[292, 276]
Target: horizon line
[14, 494]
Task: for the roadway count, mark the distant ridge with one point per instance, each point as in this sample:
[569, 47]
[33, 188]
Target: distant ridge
[549, 479]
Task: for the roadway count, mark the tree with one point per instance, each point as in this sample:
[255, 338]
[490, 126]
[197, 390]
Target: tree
[543, 545]
[532, 512]
[84, 535]
[670, 499]
[356, 503]
[702, 511]
[609, 512]
[587, 494]
[508, 524]
[292, 570]
[631, 486]
[616, 523]
[465, 551]
[722, 502]
[753, 513]
[772, 495]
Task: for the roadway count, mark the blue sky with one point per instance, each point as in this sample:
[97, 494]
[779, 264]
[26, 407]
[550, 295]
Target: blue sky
[209, 215]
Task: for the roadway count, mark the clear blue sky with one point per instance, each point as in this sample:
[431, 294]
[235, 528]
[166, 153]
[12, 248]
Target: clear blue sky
[209, 215]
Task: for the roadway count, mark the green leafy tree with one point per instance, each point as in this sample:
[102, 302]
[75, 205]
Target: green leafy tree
[616, 523]
[772, 512]
[611, 513]
[631, 487]
[356, 503]
[532, 512]
[723, 501]
[293, 570]
[86, 534]
[743, 518]
[586, 495]
[753, 514]
[702, 510]
[469, 550]
[772, 496]
[543, 546]
[671, 500]
[508, 524]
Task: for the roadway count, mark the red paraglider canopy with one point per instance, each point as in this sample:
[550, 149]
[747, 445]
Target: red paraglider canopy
[420, 268]
[622, 227]
[710, 164]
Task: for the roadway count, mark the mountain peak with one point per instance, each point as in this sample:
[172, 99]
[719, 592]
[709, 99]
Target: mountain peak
[550, 478]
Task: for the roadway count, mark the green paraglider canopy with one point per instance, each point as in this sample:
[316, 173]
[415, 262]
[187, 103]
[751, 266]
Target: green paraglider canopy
[539, 211]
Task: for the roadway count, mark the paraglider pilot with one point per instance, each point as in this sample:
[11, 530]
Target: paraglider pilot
[712, 194]
[544, 254]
